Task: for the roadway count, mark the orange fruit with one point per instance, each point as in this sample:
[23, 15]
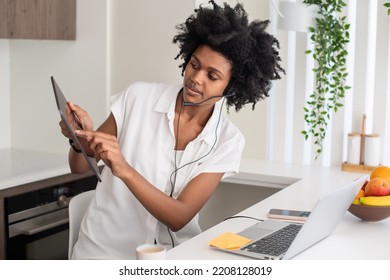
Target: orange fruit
[381, 171]
[360, 194]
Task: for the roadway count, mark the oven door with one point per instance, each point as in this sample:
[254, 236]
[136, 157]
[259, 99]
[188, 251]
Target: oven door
[37, 222]
[42, 237]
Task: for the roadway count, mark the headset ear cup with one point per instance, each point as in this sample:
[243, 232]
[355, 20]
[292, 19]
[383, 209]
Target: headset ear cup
[229, 90]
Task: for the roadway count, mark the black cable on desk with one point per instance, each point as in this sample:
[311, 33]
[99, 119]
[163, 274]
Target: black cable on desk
[245, 217]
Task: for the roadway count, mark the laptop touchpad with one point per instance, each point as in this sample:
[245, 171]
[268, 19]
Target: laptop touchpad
[255, 233]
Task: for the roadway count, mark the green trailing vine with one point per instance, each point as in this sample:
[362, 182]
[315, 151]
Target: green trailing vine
[329, 36]
[387, 5]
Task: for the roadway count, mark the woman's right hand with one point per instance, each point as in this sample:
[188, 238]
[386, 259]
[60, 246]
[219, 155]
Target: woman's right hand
[77, 119]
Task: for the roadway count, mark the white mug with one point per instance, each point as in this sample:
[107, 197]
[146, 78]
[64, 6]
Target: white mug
[151, 252]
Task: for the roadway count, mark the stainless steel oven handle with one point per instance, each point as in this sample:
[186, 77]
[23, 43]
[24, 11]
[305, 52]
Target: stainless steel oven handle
[39, 224]
[38, 229]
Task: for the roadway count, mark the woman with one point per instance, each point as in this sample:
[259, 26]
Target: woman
[166, 148]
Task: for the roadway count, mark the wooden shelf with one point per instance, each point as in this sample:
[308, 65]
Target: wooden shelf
[38, 19]
[357, 168]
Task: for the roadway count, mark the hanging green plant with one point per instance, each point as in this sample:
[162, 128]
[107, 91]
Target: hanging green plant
[387, 5]
[329, 36]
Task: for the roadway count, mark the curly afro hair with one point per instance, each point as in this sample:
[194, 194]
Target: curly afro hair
[251, 50]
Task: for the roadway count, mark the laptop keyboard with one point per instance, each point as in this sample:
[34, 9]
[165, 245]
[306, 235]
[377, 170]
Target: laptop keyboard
[276, 243]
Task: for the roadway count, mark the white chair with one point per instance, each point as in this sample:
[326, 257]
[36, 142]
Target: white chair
[77, 207]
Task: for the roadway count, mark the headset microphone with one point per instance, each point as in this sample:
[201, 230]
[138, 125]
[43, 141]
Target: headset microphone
[187, 103]
[227, 89]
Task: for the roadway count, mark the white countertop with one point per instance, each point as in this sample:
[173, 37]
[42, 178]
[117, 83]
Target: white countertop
[19, 166]
[352, 238]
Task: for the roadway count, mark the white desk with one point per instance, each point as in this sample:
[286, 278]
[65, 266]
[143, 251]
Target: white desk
[352, 238]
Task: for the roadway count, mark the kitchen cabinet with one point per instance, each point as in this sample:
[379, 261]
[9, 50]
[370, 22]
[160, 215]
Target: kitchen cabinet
[39, 19]
[49, 187]
[40, 184]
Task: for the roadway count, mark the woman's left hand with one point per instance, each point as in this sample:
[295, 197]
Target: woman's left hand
[106, 147]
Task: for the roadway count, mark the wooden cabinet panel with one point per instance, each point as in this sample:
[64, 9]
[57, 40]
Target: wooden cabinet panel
[38, 19]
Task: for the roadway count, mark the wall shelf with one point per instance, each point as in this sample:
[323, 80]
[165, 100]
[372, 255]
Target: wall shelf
[39, 19]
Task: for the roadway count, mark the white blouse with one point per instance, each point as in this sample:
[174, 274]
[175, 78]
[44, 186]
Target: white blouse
[116, 222]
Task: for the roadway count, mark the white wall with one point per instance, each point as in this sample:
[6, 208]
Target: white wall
[141, 47]
[78, 66]
[5, 103]
[119, 42]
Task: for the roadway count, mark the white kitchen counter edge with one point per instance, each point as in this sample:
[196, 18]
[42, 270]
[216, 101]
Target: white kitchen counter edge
[20, 166]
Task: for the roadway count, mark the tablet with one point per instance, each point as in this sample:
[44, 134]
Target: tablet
[61, 105]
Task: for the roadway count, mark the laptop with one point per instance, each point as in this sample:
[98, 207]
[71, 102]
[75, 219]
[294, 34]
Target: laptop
[292, 238]
[61, 105]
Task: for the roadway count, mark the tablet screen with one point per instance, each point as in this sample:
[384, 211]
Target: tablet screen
[61, 105]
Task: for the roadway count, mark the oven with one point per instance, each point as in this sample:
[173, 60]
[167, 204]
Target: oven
[37, 222]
